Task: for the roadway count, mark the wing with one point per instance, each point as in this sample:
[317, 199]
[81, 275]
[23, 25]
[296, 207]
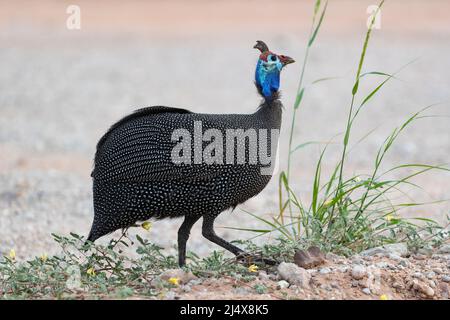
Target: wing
[138, 148]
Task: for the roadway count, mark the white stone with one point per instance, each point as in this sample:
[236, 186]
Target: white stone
[282, 284]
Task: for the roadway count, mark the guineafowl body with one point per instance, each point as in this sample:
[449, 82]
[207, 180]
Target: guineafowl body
[135, 177]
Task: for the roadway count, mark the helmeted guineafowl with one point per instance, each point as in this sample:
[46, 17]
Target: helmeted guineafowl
[152, 163]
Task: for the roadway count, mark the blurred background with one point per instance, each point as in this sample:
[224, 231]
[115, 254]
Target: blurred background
[61, 88]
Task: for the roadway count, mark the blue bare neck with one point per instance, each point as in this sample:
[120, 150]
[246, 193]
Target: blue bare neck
[267, 78]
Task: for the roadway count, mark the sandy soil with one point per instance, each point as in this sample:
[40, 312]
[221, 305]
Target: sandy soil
[61, 89]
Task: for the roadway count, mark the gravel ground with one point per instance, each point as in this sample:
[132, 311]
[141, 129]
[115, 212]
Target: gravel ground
[374, 275]
[61, 90]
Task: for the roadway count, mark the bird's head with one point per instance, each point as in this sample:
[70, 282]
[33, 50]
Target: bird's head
[268, 68]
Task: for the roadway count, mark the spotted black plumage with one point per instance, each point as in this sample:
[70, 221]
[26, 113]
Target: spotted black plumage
[135, 178]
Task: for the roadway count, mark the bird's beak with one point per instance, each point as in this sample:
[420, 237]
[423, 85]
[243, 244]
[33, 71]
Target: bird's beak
[286, 60]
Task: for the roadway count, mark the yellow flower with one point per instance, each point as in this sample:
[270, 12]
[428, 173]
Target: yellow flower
[43, 257]
[253, 268]
[389, 217]
[12, 254]
[91, 271]
[174, 281]
[146, 225]
[384, 297]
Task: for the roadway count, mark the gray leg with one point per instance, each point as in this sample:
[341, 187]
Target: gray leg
[183, 236]
[208, 233]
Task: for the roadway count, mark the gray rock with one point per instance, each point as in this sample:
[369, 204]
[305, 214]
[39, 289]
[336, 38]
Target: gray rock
[446, 278]
[395, 257]
[377, 251]
[294, 274]
[263, 275]
[431, 275]
[399, 249]
[282, 284]
[444, 249]
[418, 275]
[381, 264]
[358, 272]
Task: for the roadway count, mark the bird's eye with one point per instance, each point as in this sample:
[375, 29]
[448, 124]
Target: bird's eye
[273, 58]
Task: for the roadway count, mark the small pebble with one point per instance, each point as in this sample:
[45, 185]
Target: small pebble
[263, 275]
[342, 269]
[170, 295]
[195, 282]
[423, 288]
[404, 263]
[432, 283]
[446, 278]
[437, 270]
[325, 270]
[241, 291]
[381, 264]
[282, 284]
[366, 291]
[186, 288]
[397, 285]
[358, 272]
[395, 257]
[335, 285]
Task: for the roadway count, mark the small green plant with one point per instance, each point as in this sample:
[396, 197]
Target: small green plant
[87, 270]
